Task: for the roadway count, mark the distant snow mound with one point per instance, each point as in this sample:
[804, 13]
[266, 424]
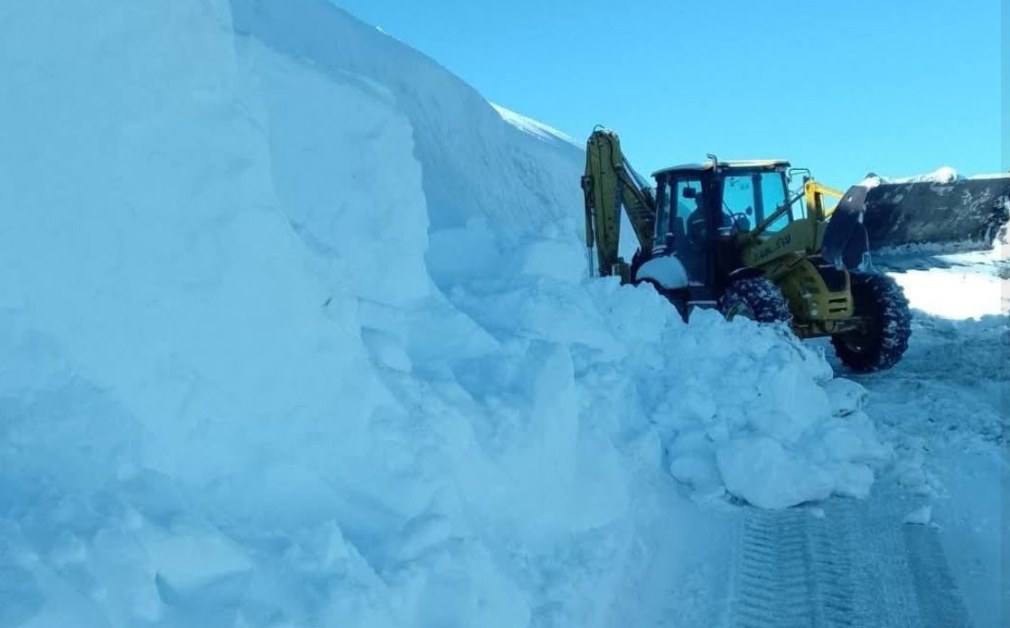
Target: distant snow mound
[297, 333]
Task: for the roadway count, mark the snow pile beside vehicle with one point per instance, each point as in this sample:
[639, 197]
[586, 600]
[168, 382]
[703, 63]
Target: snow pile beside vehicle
[297, 333]
[771, 426]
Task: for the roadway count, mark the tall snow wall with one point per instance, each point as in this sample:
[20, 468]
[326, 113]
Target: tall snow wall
[296, 333]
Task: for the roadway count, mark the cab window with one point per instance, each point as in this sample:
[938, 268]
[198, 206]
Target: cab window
[738, 195]
[748, 199]
[690, 209]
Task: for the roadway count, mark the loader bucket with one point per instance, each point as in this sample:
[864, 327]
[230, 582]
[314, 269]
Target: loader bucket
[846, 243]
[962, 215]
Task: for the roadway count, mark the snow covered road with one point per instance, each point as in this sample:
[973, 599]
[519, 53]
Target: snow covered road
[948, 418]
[847, 563]
[944, 407]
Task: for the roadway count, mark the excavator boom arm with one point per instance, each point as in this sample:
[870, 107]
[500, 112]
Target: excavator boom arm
[814, 193]
[609, 184]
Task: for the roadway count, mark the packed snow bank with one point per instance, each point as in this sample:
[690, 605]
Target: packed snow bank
[474, 165]
[298, 334]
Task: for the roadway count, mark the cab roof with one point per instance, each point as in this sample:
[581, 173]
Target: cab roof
[727, 165]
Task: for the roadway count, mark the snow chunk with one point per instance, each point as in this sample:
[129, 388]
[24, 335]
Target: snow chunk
[190, 561]
[920, 516]
[667, 271]
[761, 471]
[845, 396]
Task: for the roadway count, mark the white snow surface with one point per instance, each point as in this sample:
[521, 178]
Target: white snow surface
[667, 271]
[943, 174]
[531, 126]
[297, 333]
[957, 286]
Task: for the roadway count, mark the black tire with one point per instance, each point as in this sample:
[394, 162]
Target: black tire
[881, 301]
[756, 298]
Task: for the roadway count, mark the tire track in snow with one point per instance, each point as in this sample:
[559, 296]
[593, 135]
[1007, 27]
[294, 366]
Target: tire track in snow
[857, 565]
[792, 573]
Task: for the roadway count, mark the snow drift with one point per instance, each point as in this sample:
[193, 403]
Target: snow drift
[297, 333]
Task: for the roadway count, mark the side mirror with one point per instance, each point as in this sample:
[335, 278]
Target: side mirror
[690, 193]
[749, 211]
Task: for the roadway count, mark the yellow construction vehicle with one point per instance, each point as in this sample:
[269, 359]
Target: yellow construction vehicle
[732, 235]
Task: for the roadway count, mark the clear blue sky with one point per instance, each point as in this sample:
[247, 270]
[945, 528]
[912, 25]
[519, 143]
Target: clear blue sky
[843, 87]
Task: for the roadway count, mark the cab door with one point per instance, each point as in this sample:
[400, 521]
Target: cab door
[693, 225]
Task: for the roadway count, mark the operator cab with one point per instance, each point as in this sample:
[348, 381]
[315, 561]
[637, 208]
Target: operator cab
[702, 207]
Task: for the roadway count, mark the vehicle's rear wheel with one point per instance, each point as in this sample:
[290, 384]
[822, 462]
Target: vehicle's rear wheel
[883, 339]
[756, 298]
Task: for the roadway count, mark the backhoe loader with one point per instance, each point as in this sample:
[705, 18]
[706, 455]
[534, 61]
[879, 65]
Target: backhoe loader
[733, 235]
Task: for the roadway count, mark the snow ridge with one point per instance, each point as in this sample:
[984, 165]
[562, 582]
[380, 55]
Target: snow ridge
[531, 126]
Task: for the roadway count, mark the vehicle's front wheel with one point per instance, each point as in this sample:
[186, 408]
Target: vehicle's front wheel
[887, 325]
[756, 298]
